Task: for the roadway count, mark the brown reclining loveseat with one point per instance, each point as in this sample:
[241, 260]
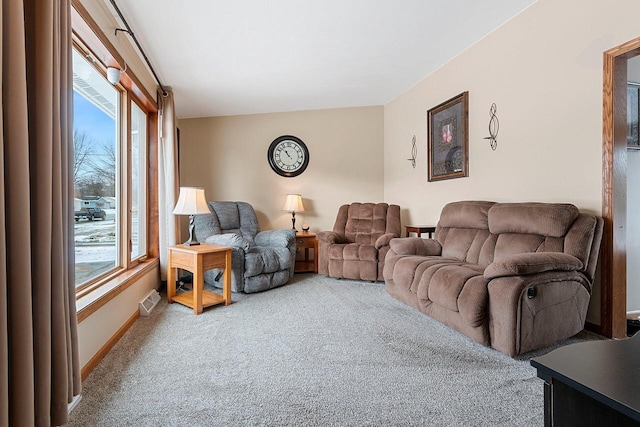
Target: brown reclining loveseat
[515, 276]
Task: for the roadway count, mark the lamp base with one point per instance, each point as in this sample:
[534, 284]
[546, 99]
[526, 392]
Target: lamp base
[193, 240]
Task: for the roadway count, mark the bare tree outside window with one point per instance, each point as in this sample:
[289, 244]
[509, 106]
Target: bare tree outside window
[81, 150]
[103, 168]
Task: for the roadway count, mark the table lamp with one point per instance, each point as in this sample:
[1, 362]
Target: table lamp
[191, 201]
[293, 204]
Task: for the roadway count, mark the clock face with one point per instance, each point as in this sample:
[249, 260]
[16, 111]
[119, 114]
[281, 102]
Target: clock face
[288, 156]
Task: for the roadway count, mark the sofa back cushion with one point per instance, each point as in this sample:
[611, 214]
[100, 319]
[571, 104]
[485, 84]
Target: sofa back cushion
[228, 217]
[480, 232]
[545, 227]
[463, 230]
[363, 223]
[543, 219]
[530, 227]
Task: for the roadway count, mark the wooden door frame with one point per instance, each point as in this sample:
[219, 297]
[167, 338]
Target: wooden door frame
[613, 308]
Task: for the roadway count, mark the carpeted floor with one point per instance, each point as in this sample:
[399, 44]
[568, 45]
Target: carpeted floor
[318, 351]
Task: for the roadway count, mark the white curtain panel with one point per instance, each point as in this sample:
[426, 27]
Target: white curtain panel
[168, 179]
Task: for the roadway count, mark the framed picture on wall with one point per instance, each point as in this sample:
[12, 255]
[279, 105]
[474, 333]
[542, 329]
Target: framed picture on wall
[633, 102]
[448, 139]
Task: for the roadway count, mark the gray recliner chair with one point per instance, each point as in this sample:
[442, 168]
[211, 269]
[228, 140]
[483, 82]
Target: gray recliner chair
[260, 260]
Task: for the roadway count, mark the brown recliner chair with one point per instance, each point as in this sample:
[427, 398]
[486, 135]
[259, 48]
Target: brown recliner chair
[356, 247]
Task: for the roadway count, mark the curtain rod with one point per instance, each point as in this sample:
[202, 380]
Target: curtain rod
[128, 31]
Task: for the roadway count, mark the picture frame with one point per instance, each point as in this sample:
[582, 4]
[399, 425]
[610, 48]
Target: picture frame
[448, 139]
[633, 106]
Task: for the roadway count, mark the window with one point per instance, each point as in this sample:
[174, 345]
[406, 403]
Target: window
[110, 175]
[96, 106]
[138, 181]
[116, 170]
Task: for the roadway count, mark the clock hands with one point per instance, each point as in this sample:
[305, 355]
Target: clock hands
[287, 153]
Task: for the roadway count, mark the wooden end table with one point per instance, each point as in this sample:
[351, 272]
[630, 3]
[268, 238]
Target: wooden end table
[306, 241]
[419, 229]
[197, 259]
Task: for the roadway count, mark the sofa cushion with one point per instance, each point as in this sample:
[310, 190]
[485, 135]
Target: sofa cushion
[473, 300]
[366, 222]
[463, 229]
[233, 217]
[585, 228]
[543, 219]
[426, 268]
[471, 214]
[206, 225]
[261, 259]
[275, 238]
[448, 281]
[458, 242]
[384, 240]
[228, 239]
[227, 214]
[353, 252]
[415, 246]
[510, 244]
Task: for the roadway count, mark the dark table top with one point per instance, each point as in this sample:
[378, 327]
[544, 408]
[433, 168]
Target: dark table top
[608, 371]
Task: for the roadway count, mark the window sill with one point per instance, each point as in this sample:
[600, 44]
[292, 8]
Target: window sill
[94, 300]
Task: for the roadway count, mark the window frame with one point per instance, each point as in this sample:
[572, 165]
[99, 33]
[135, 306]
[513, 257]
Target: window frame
[89, 39]
[141, 257]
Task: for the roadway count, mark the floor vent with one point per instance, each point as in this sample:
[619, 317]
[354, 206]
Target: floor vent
[147, 304]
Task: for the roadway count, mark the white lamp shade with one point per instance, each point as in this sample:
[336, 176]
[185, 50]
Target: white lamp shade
[293, 203]
[191, 201]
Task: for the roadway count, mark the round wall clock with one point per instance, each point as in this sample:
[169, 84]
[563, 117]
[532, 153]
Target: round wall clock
[288, 156]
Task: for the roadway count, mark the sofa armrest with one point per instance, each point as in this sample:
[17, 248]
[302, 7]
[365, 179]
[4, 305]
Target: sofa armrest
[415, 246]
[331, 237]
[384, 240]
[229, 239]
[276, 238]
[532, 263]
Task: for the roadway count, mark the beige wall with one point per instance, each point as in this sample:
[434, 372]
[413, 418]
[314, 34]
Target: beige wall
[228, 157]
[543, 69]
[96, 330]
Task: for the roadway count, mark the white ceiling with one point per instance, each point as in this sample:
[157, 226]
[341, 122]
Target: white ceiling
[229, 57]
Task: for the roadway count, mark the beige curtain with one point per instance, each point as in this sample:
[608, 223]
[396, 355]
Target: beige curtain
[168, 179]
[39, 369]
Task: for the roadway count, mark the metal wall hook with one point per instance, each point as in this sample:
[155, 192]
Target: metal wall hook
[494, 126]
[414, 152]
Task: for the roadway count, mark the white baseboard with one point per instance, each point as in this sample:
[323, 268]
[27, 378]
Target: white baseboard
[633, 315]
[71, 406]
